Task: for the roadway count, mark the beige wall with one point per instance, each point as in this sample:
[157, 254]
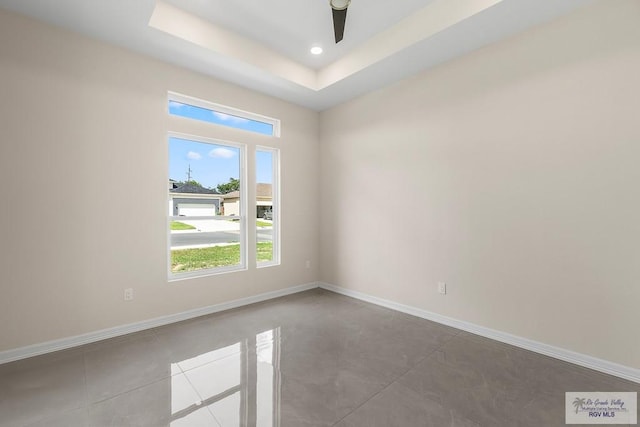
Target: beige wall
[78, 116]
[519, 168]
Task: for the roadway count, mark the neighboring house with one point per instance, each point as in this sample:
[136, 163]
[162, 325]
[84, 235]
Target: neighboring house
[193, 200]
[264, 201]
[231, 203]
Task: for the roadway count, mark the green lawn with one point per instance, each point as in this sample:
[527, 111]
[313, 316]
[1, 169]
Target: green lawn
[264, 251]
[216, 256]
[177, 225]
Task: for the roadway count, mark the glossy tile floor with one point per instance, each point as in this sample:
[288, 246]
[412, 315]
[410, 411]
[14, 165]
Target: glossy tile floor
[310, 359]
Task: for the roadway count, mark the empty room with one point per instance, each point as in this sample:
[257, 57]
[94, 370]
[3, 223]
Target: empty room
[349, 213]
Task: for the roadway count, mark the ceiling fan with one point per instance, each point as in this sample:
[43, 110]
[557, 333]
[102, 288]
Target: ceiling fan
[339, 10]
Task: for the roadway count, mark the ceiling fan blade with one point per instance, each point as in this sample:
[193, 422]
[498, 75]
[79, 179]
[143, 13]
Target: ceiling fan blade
[339, 19]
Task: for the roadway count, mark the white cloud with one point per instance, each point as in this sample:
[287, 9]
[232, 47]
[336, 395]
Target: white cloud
[192, 155]
[223, 153]
[229, 118]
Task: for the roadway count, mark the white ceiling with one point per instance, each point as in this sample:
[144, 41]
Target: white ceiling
[264, 45]
[291, 27]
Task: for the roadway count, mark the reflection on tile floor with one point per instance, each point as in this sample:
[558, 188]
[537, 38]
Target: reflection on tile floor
[310, 359]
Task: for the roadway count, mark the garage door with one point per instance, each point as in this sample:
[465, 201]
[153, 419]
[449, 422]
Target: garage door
[193, 209]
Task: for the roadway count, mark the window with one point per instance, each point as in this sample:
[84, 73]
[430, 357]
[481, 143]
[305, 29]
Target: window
[207, 188]
[206, 206]
[193, 108]
[267, 207]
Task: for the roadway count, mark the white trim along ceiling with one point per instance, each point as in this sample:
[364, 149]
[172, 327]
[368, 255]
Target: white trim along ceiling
[264, 46]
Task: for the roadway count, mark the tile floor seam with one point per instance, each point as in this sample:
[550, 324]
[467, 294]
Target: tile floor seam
[129, 391]
[385, 387]
[139, 388]
[172, 355]
[145, 384]
[193, 387]
[201, 399]
[214, 417]
[86, 379]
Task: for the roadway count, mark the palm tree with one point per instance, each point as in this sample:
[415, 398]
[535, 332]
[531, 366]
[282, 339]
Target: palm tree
[578, 403]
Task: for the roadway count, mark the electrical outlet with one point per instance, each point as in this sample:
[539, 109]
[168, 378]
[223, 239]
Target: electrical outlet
[307, 264]
[442, 288]
[128, 294]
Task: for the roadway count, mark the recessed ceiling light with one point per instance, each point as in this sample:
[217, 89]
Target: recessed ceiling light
[339, 4]
[316, 50]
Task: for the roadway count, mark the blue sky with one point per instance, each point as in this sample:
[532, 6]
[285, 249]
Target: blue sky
[210, 164]
[198, 113]
[214, 164]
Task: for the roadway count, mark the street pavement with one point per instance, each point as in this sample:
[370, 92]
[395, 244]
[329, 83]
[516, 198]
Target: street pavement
[209, 232]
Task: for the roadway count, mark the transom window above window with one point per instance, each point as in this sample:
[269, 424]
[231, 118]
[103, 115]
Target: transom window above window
[197, 109]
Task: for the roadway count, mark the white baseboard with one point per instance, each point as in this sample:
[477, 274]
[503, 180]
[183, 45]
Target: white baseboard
[65, 343]
[605, 366]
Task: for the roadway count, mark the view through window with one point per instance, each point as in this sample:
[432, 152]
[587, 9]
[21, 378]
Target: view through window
[267, 218]
[207, 192]
[205, 205]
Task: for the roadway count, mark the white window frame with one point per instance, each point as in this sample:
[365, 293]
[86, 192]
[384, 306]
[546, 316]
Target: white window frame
[275, 206]
[196, 102]
[242, 148]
